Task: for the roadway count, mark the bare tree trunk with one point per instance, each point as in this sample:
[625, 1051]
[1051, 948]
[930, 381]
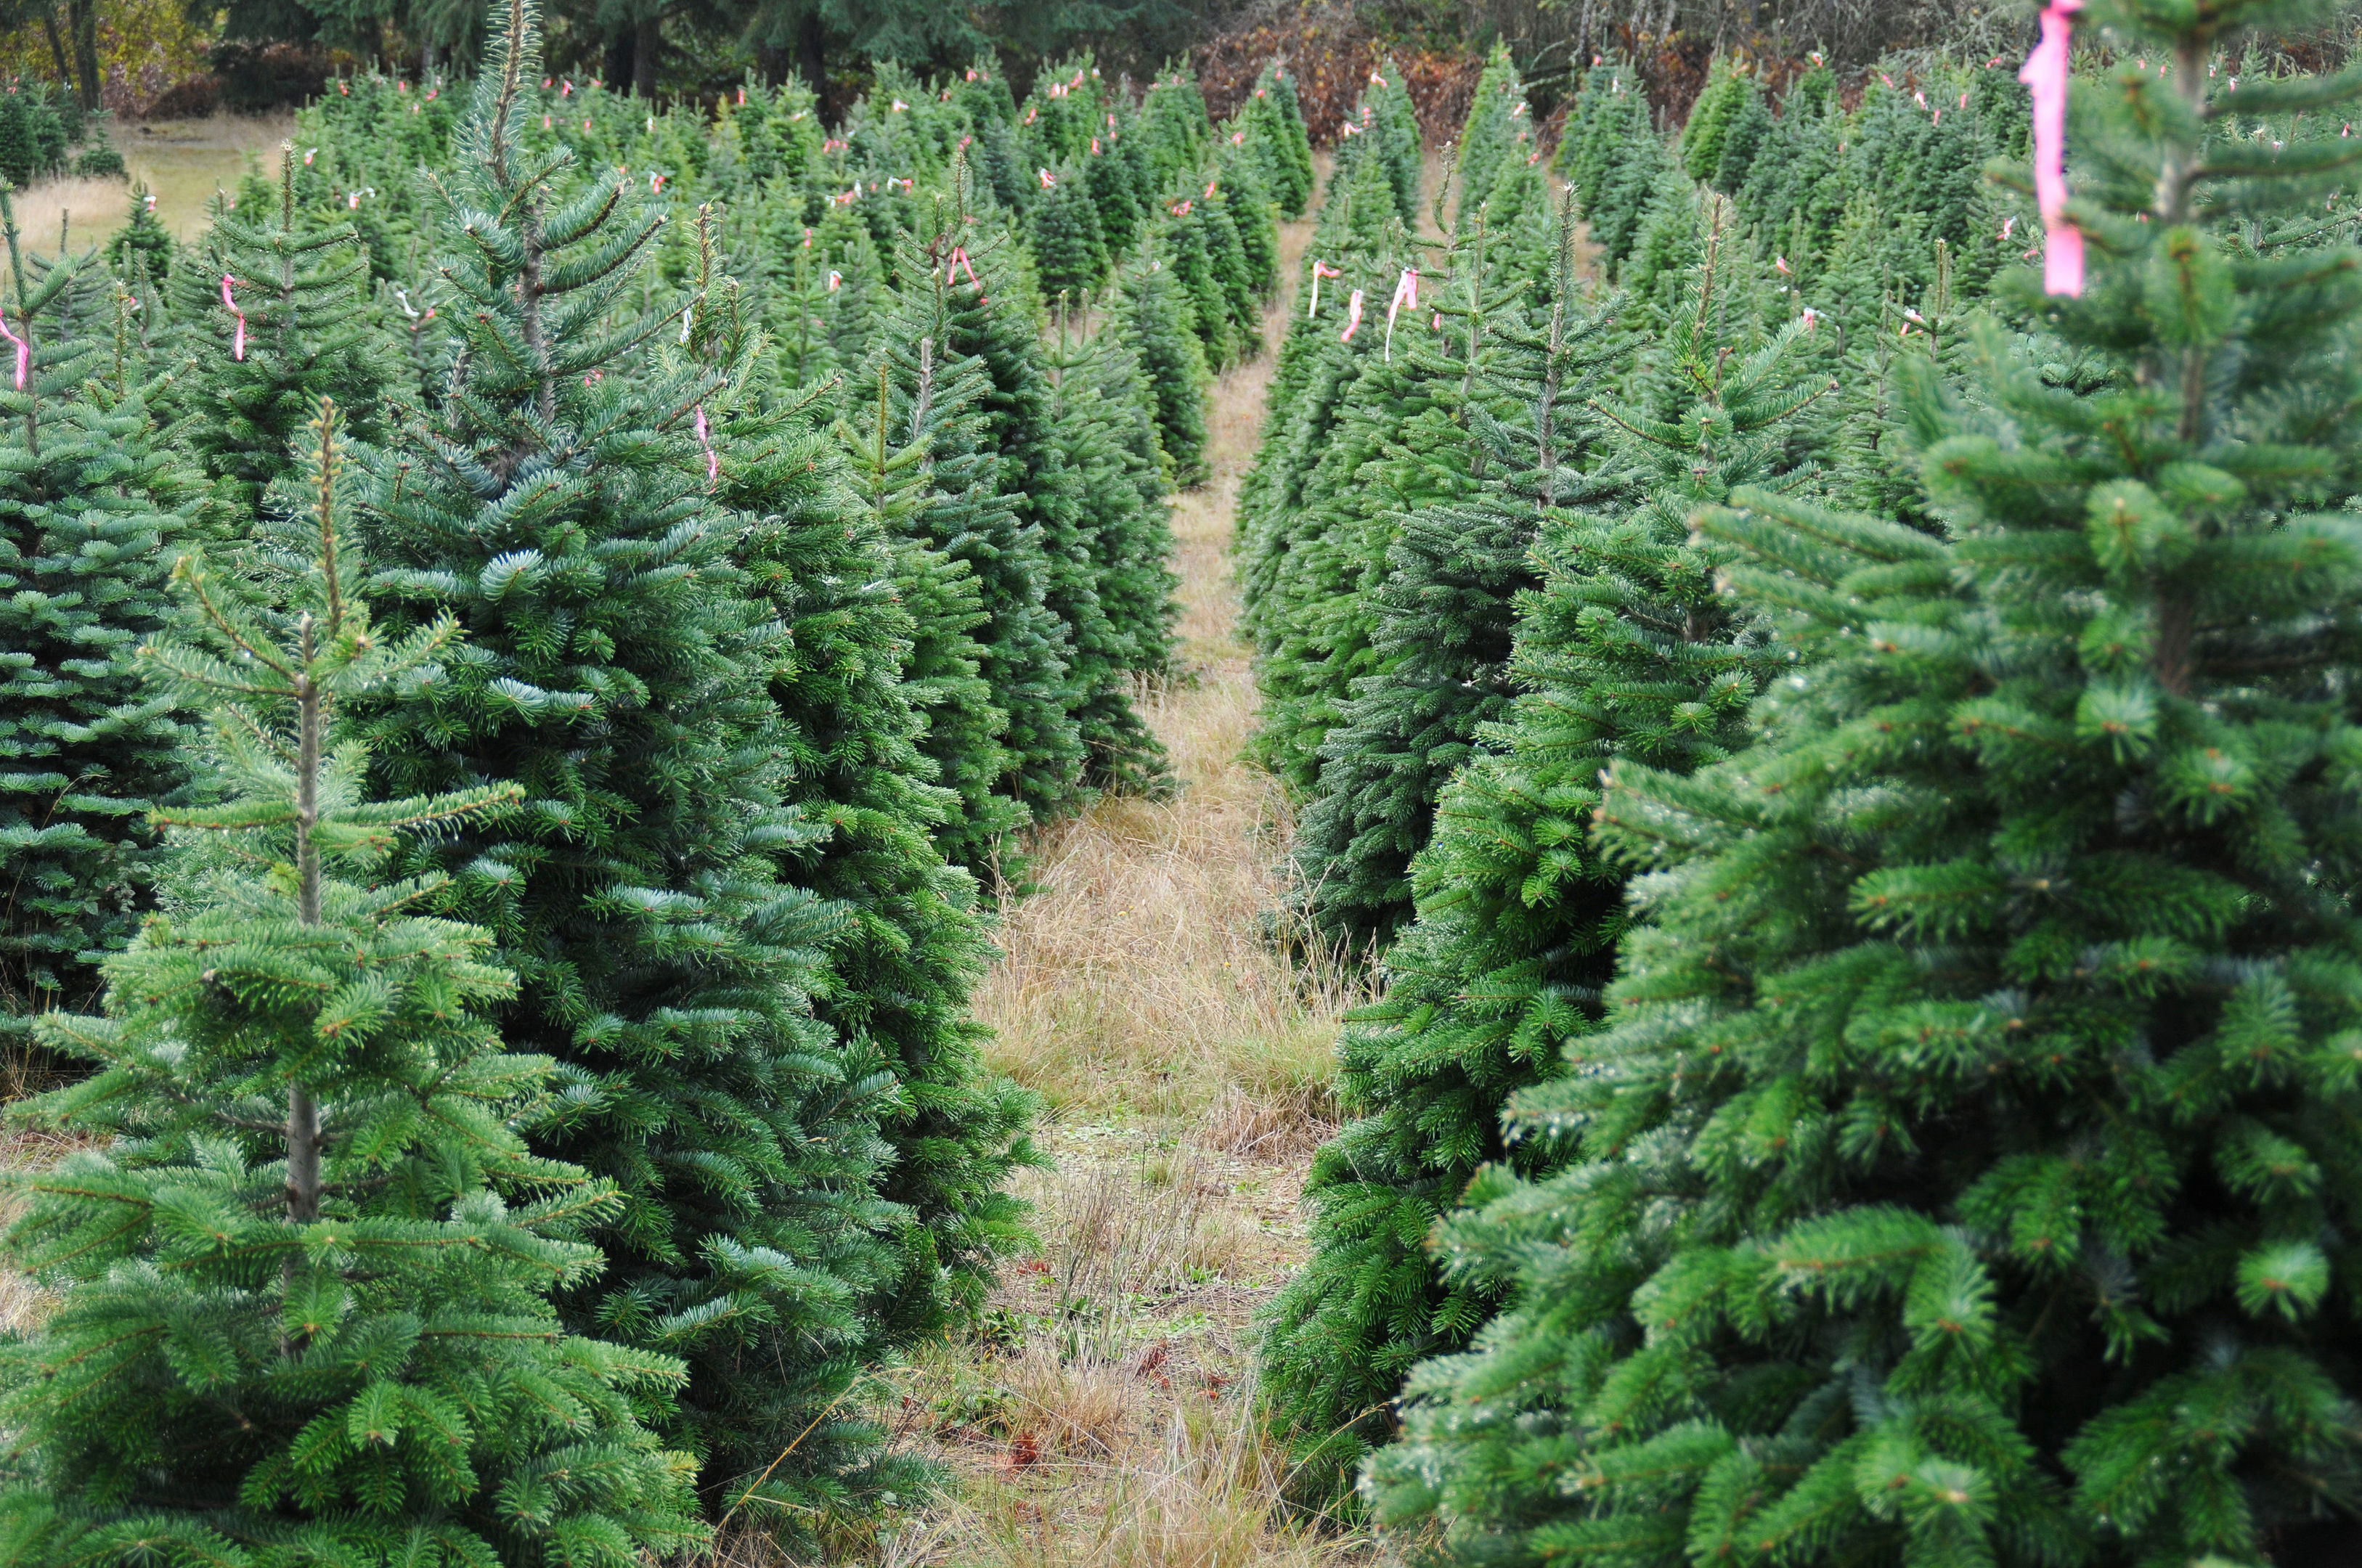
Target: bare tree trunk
[812, 52]
[84, 16]
[647, 52]
[58, 49]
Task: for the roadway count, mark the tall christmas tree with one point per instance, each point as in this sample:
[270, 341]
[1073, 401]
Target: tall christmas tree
[558, 505]
[1063, 234]
[1012, 517]
[91, 499]
[912, 942]
[917, 468]
[1105, 413]
[1457, 552]
[304, 1269]
[1968, 1177]
[275, 314]
[1154, 318]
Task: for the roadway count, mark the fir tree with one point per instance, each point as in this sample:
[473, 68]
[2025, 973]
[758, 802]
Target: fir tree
[32, 137]
[912, 942]
[1751, 123]
[1705, 133]
[304, 1282]
[1063, 231]
[1297, 191]
[1271, 129]
[1192, 248]
[1393, 120]
[276, 316]
[996, 481]
[918, 471]
[1486, 140]
[1173, 128]
[617, 667]
[1967, 1177]
[1121, 208]
[92, 496]
[1154, 318]
[1106, 417]
[1456, 553]
[141, 251]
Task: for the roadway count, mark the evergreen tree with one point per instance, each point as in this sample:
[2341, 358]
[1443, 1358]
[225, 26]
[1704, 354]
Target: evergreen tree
[1063, 231]
[32, 137]
[1312, 387]
[1154, 318]
[1751, 123]
[1241, 192]
[276, 316]
[304, 1278]
[1280, 87]
[1495, 114]
[1625, 649]
[1173, 128]
[92, 496]
[141, 251]
[999, 495]
[1121, 205]
[1106, 414]
[1393, 120]
[1270, 127]
[1968, 1175]
[917, 467]
[1705, 133]
[1456, 553]
[617, 669]
[991, 319]
[1615, 159]
[1192, 248]
[900, 967]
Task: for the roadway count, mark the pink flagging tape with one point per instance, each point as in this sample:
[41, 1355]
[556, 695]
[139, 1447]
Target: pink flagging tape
[2046, 74]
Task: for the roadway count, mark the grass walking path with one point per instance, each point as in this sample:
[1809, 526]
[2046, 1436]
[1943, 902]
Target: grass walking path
[1105, 1415]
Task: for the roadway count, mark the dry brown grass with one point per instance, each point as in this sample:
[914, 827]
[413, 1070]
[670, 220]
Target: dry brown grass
[1143, 979]
[181, 162]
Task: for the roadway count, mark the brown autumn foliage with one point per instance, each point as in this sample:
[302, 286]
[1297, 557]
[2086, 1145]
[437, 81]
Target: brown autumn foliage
[1330, 49]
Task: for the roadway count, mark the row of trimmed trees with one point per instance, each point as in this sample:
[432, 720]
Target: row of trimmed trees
[523, 678]
[1841, 757]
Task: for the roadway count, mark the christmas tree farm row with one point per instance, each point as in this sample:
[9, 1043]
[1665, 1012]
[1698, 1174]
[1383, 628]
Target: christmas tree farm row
[1841, 750]
[529, 645]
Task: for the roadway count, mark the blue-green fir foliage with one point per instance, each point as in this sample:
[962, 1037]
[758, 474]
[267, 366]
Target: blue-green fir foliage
[558, 505]
[93, 499]
[303, 1260]
[1967, 1177]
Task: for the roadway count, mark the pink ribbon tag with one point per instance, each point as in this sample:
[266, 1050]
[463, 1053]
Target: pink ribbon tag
[1320, 269]
[2045, 73]
[237, 349]
[23, 353]
[713, 463]
[1405, 293]
[1352, 318]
